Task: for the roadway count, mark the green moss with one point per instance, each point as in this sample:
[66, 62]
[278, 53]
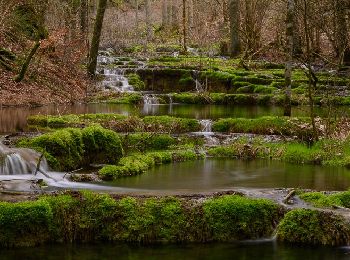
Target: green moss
[325, 152]
[135, 81]
[319, 199]
[233, 218]
[246, 89]
[265, 125]
[139, 163]
[25, 223]
[146, 141]
[128, 98]
[71, 148]
[264, 89]
[170, 124]
[303, 226]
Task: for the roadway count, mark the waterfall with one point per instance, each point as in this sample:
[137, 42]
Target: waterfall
[206, 125]
[149, 100]
[170, 99]
[20, 161]
[114, 78]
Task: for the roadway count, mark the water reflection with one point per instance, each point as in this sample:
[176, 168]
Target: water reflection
[213, 174]
[247, 251]
[14, 119]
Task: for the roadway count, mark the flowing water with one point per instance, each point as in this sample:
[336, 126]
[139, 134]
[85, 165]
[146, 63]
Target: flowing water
[242, 251]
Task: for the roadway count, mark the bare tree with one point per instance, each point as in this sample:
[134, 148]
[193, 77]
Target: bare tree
[289, 64]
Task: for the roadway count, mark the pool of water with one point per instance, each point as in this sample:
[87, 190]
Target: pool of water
[244, 251]
[15, 119]
[214, 174]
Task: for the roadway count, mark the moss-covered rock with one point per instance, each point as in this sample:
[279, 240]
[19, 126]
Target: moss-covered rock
[71, 148]
[25, 223]
[312, 227]
[232, 218]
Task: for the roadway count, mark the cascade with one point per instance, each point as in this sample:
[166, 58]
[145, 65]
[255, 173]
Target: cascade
[206, 125]
[20, 161]
[150, 100]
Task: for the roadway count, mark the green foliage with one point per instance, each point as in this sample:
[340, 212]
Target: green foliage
[135, 81]
[24, 224]
[304, 226]
[235, 218]
[300, 154]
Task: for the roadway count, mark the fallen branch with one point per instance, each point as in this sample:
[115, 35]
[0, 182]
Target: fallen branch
[289, 196]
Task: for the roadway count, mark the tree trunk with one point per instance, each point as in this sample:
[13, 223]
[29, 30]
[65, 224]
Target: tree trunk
[184, 24]
[148, 20]
[95, 43]
[137, 15]
[235, 27]
[289, 63]
[341, 33]
[83, 16]
[165, 13]
[25, 65]
[310, 74]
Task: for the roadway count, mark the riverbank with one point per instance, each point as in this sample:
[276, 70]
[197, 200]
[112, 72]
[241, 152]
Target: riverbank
[147, 220]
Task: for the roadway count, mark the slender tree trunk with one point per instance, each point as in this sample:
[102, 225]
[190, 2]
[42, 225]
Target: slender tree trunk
[25, 65]
[289, 63]
[137, 15]
[341, 32]
[310, 74]
[184, 24]
[235, 27]
[165, 13]
[83, 16]
[148, 20]
[95, 43]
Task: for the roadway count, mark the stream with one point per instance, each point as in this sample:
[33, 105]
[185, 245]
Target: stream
[209, 175]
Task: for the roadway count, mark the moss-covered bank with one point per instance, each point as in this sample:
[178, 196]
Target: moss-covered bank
[85, 217]
[119, 123]
[88, 217]
[267, 125]
[325, 152]
[139, 163]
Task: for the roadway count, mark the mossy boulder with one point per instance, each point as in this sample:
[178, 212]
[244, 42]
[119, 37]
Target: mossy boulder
[312, 227]
[71, 148]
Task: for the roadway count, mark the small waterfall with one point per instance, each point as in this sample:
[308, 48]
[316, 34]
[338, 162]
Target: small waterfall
[199, 87]
[114, 79]
[170, 99]
[149, 100]
[206, 125]
[20, 161]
